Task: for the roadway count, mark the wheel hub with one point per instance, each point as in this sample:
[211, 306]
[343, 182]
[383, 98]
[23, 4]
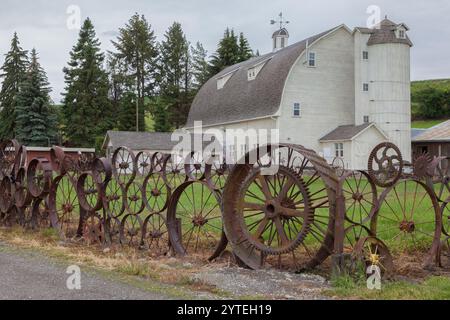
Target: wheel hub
[156, 193]
[408, 226]
[199, 221]
[155, 234]
[123, 165]
[67, 207]
[357, 196]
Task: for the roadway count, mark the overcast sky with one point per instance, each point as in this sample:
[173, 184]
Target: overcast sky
[43, 24]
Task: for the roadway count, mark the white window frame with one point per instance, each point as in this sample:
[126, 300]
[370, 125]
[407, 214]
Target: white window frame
[402, 34]
[297, 107]
[313, 60]
[366, 85]
[339, 150]
[365, 55]
[366, 119]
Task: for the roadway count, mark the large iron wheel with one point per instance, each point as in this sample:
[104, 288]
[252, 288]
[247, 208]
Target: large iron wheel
[156, 193]
[114, 199]
[135, 199]
[89, 193]
[124, 166]
[39, 177]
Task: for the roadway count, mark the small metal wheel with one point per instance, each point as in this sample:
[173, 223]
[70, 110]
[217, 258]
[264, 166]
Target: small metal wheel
[124, 166]
[408, 219]
[155, 235]
[173, 171]
[8, 153]
[135, 199]
[360, 195]
[385, 165]
[65, 211]
[143, 164]
[158, 159]
[339, 166]
[22, 196]
[112, 230]
[439, 178]
[93, 230]
[6, 195]
[194, 219]
[89, 192]
[57, 156]
[39, 177]
[102, 171]
[131, 231]
[215, 174]
[156, 193]
[114, 199]
[370, 251]
[195, 167]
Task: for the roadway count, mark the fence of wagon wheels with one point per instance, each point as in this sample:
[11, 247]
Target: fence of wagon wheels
[284, 207]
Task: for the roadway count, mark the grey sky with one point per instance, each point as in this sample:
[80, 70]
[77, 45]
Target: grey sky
[42, 24]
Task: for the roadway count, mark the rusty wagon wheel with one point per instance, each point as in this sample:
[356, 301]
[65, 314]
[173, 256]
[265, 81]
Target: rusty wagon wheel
[102, 171]
[339, 166]
[155, 235]
[408, 219]
[93, 229]
[6, 195]
[370, 251]
[21, 159]
[124, 166]
[215, 173]
[112, 230]
[156, 193]
[11, 218]
[131, 231]
[89, 192]
[9, 150]
[41, 214]
[135, 202]
[143, 164]
[385, 165]
[195, 167]
[114, 199]
[39, 177]
[439, 178]
[445, 213]
[194, 220]
[361, 197]
[65, 212]
[57, 156]
[173, 171]
[299, 247]
[158, 159]
[22, 196]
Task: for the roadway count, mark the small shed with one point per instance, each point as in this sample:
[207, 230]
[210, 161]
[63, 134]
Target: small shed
[434, 141]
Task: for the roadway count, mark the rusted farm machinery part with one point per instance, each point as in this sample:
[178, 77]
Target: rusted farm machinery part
[41, 214]
[124, 166]
[102, 171]
[21, 159]
[195, 166]
[158, 159]
[216, 172]
[156, 193]
[94, 229]
[135, 202]
[89, 192]
[194, 220]
[438, 178]
[421, 166]
[130, 231]
[289, 213]
[9, 149]
[57, 156]
[370, 251]
[173, 171]
[444, 252]
[22, 196]
[39, 177]
[386, 165]
[408, 219]
[155, 235]
[339, 166]
[143, 164]
[66, 214]
[6, 195]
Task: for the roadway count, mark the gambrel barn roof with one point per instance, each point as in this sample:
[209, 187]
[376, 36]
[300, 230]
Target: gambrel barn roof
[241, 99]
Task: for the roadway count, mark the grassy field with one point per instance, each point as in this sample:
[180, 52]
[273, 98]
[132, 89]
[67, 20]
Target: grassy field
[426, 124]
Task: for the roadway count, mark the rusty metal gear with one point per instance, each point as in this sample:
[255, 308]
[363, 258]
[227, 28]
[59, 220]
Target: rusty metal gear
[421, 166]
[385, 165]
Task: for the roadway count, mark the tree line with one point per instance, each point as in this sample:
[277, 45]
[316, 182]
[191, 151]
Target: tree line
[104, 90]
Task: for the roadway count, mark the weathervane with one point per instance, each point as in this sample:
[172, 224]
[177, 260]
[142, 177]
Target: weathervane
[280, 21]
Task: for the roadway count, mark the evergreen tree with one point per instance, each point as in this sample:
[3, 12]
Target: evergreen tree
[227, 53]
[161, 116]
[12, 73]
[36, 120]
[136, 46]
[200, 66]
[175, 75]
[245, 52]
[126, 114]
[87, 109]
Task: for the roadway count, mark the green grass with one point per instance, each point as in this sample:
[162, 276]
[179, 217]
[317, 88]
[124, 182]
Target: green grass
[425, 124]
[433, 288]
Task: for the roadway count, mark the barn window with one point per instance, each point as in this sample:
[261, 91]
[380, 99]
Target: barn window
[339, 150]
[365, 55]
[297, 112]
[366, 119]
[401, 34]
[312, 59]
[365, 87]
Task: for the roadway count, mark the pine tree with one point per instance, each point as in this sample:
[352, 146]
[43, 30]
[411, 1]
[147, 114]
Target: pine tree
[136, 46]
[200, 66]
[12, 73]
[245, 52]
[161, 116]
[227, 53]
[36, 120]
[87, 109]
[176, 75]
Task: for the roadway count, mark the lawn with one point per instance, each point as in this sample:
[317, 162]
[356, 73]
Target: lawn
[426, 124]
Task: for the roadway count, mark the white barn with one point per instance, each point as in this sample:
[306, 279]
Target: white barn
[340, 92]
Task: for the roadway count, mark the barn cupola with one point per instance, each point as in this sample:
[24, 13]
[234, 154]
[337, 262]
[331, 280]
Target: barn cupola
[280, 38]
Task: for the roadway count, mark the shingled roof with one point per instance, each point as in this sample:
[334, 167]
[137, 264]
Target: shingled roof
[139, 140]
[346, 133]
[385, 33]
[241, 99]
[439, 133]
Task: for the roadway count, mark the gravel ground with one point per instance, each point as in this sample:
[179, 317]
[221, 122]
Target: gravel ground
[27, 276]
[265, 283]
